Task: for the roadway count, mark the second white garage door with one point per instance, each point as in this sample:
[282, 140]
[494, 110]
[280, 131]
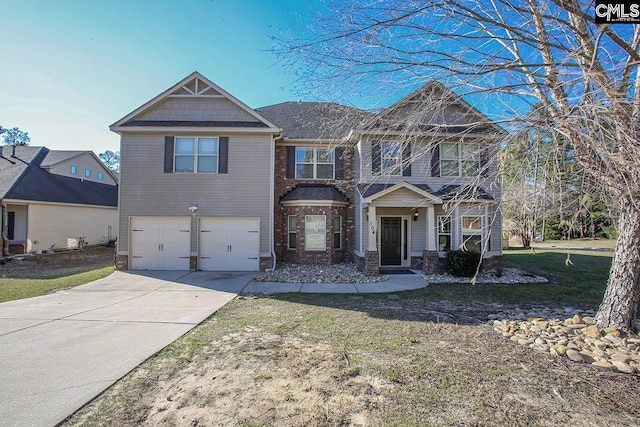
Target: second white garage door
[230, 244]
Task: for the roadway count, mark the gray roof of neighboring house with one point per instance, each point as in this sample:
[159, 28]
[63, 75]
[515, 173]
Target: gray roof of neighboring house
[315, 192]
[314, 120]
[23, 178]
[57, 156]
[448, 192]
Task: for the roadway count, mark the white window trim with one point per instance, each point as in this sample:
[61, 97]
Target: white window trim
[339, 231]
[438, 233]
[324, 235]
[386, 171]
[290, 232]
[315, 162]
[196, 156]
[478, 233]
[459, 160]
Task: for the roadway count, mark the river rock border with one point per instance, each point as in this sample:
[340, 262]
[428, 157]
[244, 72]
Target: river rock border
[576, 337]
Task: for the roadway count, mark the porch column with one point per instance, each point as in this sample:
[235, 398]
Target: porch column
[431, 228]
[373, 224]
[430, 258]
[371, 267]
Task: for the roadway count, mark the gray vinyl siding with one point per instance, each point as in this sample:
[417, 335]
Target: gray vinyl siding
[83, 162]
[419, 232]
[198, 109]
[145, 190]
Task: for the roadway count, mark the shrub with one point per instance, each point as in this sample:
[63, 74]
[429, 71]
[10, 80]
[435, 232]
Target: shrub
[462, 263]
[610, 232]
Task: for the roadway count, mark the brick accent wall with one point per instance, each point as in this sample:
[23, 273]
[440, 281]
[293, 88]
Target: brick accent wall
[265, 263]
[122, 262]
[432, 263]
[284, 185]
[193, 263]
[371, 267]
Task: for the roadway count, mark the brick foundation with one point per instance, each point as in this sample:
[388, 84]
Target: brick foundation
[266, 263]
[371, 267]
[432, 263]
[17, 248]
[193, 263]
[417, 263]
[122, 262]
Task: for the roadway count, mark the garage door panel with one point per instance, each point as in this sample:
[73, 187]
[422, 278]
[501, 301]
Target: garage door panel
[160, 243]
[230, 244]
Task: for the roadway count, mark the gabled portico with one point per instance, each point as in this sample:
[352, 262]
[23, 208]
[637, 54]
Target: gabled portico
[400, 218]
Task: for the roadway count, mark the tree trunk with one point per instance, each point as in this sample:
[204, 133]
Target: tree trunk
[620, 304]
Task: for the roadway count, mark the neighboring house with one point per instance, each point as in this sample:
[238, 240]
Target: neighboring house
[50, 198]
[208, 183]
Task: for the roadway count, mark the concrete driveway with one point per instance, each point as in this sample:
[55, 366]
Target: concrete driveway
[59, 351]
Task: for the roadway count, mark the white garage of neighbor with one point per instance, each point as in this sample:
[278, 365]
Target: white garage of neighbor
[229, 244]
[160, 243]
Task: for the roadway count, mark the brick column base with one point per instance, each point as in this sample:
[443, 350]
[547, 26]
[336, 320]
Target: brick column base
[122, 262]
[431, 263]
[371, 267]
[266, 263]
[193, 263]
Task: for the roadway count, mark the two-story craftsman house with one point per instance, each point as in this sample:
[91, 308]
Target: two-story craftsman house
[207, 183]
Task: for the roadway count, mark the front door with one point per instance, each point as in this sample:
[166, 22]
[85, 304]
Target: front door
[391, 241]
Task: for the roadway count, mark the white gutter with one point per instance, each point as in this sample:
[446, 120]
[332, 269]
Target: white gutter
[272, 183]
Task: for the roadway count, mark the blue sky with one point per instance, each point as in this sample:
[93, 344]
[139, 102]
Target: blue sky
[69, 69]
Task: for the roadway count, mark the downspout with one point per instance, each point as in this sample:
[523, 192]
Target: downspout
[272, 179]
[3, 230]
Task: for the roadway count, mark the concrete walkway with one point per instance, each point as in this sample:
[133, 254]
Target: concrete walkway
[396, 283]
[59, 351]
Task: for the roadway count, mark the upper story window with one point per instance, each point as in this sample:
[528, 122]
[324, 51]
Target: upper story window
[87, 172]
[100, 175]
[196, 155]
[314, 163]
[458, 159]
[391, 158]
[74, 169]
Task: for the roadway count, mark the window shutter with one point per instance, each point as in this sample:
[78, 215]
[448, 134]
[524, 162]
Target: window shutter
[484, 162]
[291, 162]
[339, 163]
[168, 154]
[223, 152]
[376, 160]
[435, 161]
[406, 159]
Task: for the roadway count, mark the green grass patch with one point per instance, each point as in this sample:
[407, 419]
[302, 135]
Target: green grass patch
[14, 289]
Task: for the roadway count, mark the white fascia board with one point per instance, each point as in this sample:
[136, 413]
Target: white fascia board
[38, 202]
[403, 184]
[305, 203]
[427, 134]
[191, 129]
[298, 141]
[146, 106]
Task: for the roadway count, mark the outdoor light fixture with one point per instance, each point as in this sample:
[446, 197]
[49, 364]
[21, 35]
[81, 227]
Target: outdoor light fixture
[416, 214]
[193, 209]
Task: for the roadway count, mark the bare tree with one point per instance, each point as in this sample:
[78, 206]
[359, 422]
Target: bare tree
[111, 159]
[510, 55]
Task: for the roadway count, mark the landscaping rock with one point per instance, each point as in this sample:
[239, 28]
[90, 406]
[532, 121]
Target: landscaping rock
[577, 337]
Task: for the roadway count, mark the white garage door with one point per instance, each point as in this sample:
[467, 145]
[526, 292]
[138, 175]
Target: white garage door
[160, 243]
[230, 244]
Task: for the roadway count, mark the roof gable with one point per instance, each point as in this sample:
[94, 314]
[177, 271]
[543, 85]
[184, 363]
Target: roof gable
[372, 192]
[433, 108]
[195, 101]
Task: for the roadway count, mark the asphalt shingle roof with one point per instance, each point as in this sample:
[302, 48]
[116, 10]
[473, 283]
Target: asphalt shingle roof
[23, 178]
[315, 192]
[314, 120]
[57, 156]
[448, 192]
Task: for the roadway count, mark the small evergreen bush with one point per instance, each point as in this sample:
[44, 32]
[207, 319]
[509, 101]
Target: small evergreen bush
[462, 263]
